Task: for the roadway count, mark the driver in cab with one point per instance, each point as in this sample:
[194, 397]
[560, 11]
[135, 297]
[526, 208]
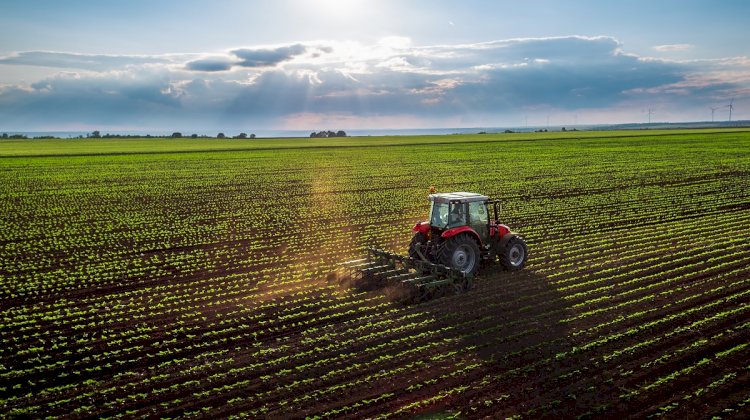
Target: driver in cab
[457, 215]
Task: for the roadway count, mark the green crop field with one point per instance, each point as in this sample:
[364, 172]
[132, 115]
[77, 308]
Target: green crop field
[197, 278]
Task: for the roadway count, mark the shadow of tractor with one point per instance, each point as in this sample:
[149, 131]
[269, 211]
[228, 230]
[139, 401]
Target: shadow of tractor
[506, 312]
[510, 316]
[509, 326]
[510, 323]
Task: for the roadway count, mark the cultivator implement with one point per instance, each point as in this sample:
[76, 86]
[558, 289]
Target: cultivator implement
[415, 280]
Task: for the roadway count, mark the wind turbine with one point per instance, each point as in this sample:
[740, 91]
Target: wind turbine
[650, 112]
[712, 112]
[731, 107]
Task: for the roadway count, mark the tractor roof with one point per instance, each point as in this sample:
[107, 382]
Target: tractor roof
[460, 197]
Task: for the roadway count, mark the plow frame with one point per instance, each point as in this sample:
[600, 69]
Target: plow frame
[420, 279]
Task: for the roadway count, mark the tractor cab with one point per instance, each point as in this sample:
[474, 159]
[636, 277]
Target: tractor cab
[454, 210]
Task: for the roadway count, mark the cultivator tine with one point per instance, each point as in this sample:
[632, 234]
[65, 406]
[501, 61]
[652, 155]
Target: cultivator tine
[375, 269]
[419, 281]
[400, 277]
[397, 271]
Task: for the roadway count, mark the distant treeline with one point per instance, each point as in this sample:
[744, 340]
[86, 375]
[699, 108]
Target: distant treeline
[21, 136]
[175, 135]
[98, 135]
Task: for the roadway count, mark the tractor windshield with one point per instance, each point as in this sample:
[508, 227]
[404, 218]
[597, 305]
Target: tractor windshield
[439, 215]
[444, 215]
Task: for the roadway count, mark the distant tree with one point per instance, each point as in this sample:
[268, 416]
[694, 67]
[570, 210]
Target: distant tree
[193, 136]
[220, 136]
[508, 131]
[5, 135]
[328, 134]
[241, 136]
[95, 134]
[176, 134]
[563, 129]
[252, 136]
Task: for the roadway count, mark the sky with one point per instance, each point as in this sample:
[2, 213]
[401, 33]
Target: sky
[202, 66]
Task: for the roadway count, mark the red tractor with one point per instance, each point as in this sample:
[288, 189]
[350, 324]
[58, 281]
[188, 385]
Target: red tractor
[461, 235]
[446, 251]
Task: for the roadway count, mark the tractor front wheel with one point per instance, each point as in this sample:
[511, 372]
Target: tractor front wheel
[514, 255]
[462, 253]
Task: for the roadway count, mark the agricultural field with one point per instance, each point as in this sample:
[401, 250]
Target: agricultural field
[198, 278]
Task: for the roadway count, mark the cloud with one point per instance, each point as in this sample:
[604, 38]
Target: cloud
[210, 64]
[107, 100]
[95, 62]
[489, 83]
[448, 59]
[254, 58]
[673, 47]
[267, 57]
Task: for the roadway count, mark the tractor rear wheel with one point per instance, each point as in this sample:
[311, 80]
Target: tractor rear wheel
[462, 253]
[515, 254]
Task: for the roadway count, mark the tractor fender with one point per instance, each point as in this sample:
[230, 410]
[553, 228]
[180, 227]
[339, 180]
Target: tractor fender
[499, 230]
[421, 227]
[455, 231]
[505, 239]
